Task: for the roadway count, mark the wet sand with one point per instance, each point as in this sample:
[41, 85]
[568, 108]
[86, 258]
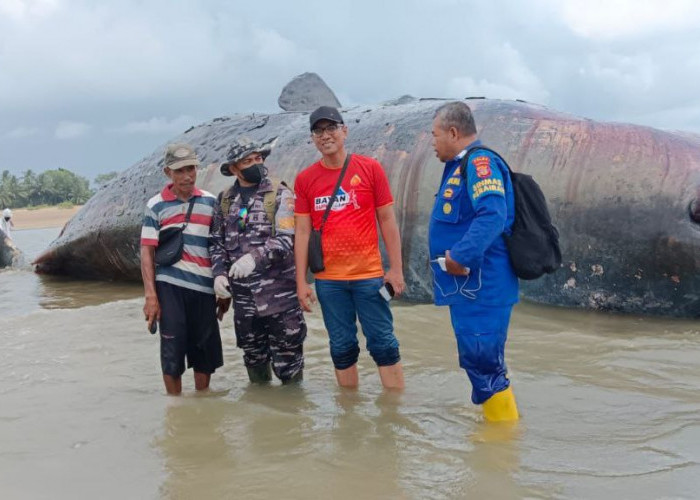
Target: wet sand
[43, 217]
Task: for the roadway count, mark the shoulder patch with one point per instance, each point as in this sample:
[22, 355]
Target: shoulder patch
[483, 166]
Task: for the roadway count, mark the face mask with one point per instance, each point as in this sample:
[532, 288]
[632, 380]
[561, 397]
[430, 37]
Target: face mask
[254, 173]
[7, 218]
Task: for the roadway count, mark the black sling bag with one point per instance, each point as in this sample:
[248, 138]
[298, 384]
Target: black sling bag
[171, 242]
[315, 249]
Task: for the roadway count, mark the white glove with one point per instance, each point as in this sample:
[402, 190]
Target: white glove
[243, 267]
[221, 287]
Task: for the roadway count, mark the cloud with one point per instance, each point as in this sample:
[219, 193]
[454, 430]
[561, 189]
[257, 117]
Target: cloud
[20, 9]
[22, 133]
[71, 130]
[146, 71]
[466, 86]
[635, 73]
[605, 19]
[512, 78]
[273, 48]
[157, 125]
[684, 118]
[82, 52]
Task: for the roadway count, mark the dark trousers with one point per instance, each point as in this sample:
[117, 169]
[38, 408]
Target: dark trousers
[278, 338]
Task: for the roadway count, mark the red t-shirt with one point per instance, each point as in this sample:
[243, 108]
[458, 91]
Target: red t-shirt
[350, 241]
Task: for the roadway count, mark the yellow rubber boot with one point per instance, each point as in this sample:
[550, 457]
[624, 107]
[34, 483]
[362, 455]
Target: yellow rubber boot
[501, 407]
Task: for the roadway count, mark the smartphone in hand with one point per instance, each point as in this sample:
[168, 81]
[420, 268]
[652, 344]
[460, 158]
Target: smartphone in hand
[153, 327]
[386, 291]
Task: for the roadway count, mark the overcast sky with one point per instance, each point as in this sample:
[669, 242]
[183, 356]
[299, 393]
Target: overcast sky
[94, 86]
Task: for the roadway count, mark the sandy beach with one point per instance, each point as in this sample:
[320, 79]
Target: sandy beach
[42, 218]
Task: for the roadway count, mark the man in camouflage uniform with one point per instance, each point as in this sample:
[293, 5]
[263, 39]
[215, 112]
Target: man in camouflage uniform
[252, 253]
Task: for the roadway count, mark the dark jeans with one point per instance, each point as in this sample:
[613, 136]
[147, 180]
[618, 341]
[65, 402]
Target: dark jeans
[342, 303]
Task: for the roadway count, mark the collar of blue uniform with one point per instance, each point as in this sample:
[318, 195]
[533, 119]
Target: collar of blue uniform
[464, 151]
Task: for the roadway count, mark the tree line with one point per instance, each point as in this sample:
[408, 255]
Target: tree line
[47, 188]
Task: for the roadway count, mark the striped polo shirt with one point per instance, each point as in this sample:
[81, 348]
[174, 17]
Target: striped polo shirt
[165, 210]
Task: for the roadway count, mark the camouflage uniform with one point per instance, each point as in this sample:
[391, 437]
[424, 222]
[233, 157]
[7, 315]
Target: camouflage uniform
[268, 321]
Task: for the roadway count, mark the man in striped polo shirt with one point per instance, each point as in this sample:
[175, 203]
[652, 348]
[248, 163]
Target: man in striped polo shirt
[181, 296]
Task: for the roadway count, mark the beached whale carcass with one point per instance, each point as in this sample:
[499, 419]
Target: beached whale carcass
[624, 197]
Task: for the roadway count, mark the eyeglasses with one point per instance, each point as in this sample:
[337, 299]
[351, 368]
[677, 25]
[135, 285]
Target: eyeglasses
[331, 129]
[250, 160]
[242, 217]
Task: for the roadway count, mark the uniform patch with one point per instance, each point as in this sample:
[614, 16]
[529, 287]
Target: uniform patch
[483, 166]
[355, 180]
[454, 181]
[447, 193]
[447, 208]
[487, 186]
[285, 222]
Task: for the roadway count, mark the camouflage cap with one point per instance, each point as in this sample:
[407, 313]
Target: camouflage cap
[180, 155]
[242, 148]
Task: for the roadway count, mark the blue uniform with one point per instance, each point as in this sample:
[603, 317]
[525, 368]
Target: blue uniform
[472, 211]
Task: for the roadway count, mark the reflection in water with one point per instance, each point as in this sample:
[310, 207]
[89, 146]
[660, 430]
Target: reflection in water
[254, 447]
[608, 406]
[197, 457]
[22, 291]
[494, 459]
[363, 448]
[276, 442]
[585, 430]
[60, 292]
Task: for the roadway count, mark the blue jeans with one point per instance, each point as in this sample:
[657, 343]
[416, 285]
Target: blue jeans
[481, 333]
[342, 302]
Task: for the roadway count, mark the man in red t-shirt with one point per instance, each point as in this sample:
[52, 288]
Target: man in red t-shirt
[349, 286]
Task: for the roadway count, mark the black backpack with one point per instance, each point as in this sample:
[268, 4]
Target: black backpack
[533, 244]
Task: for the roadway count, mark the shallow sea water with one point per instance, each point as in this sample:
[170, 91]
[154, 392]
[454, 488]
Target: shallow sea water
[610, 409]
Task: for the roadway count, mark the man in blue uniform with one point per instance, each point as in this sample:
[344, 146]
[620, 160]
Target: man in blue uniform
[468, 256]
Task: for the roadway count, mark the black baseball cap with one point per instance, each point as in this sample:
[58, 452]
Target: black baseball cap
[325, 113]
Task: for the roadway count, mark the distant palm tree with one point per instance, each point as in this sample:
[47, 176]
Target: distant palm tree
[8, 189]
